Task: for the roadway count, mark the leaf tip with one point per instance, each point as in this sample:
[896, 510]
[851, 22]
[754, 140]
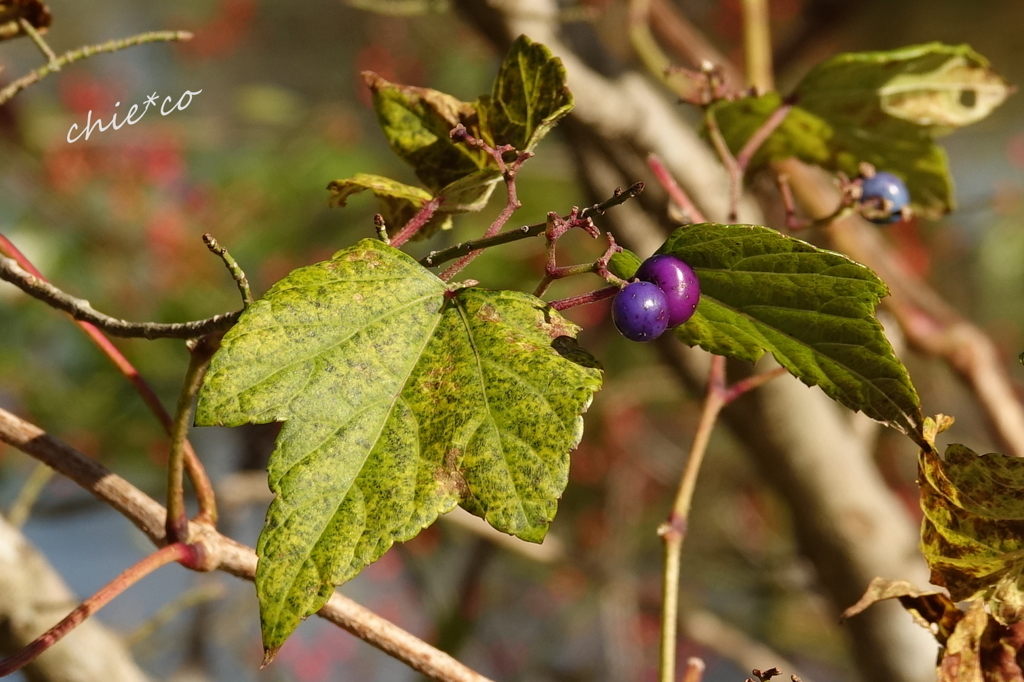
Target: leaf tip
[269, 654]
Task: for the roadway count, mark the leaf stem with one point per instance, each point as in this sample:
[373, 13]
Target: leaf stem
[201, 352]
[175, 552]
[37, 38]
[39, 288]
[87, 51]
[435, 258]
[196, 472]
[236, 271]
[417, 222]
[673, 530]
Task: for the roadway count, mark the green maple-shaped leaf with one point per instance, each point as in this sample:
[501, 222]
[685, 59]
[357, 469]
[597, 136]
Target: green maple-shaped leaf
[884, 108]
[402, 396]
[812, 309]
[529, 97]
[398, 202]
[417, 123]
[973, 531]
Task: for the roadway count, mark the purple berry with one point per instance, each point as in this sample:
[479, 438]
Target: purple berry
[883, 185]
[640, 311]
[679, 283]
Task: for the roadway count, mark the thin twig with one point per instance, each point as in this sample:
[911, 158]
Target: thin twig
[729, 161]
[199, 359]
[237, 274]
[679, 35]
[757, 45]
[81, 310]
[176, 552]
[415, 223]
[652, 56]
[37, 38]
[225, 554]
[435, 258]
[29, 493]
[508, 174]
[197, 474]
[584, 299]
[675, 192]
[760, 135]
[673, 531]
[87, 51]
[169, 611]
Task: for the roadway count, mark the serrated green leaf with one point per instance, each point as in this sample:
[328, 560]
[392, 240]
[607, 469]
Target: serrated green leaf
[398, 202]
[812, 309]
[624, 264]
[973, 531]
[402, 397]
[883, 108]
[417, 123]
[529, 97]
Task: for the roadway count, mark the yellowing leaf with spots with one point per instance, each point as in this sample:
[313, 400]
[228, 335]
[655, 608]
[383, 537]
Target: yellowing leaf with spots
[973, 529]
[402, 396]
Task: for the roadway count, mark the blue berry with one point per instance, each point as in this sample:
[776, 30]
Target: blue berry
[677, 281]
[640, 311]
[883, 185]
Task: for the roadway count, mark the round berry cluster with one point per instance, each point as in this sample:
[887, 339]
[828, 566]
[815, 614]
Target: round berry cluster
[664, 297]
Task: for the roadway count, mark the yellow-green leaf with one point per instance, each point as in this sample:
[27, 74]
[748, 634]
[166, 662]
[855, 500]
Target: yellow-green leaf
[402, 396]
[417, 123]
[398, 202]
[973, 531]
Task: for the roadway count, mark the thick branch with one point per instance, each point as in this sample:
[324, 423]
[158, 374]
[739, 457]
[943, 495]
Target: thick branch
[81, 310]
[230, 556]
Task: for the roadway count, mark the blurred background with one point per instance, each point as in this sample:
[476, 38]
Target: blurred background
[118, 220]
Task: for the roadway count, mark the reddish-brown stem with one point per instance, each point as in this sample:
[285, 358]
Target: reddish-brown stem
[417, 222]
[729, 161]
[196, 472]
[179, 551]
[512, 203]
[750, 383]
[760, 135]
[584, 299]
[675, 192]
[542, 287]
